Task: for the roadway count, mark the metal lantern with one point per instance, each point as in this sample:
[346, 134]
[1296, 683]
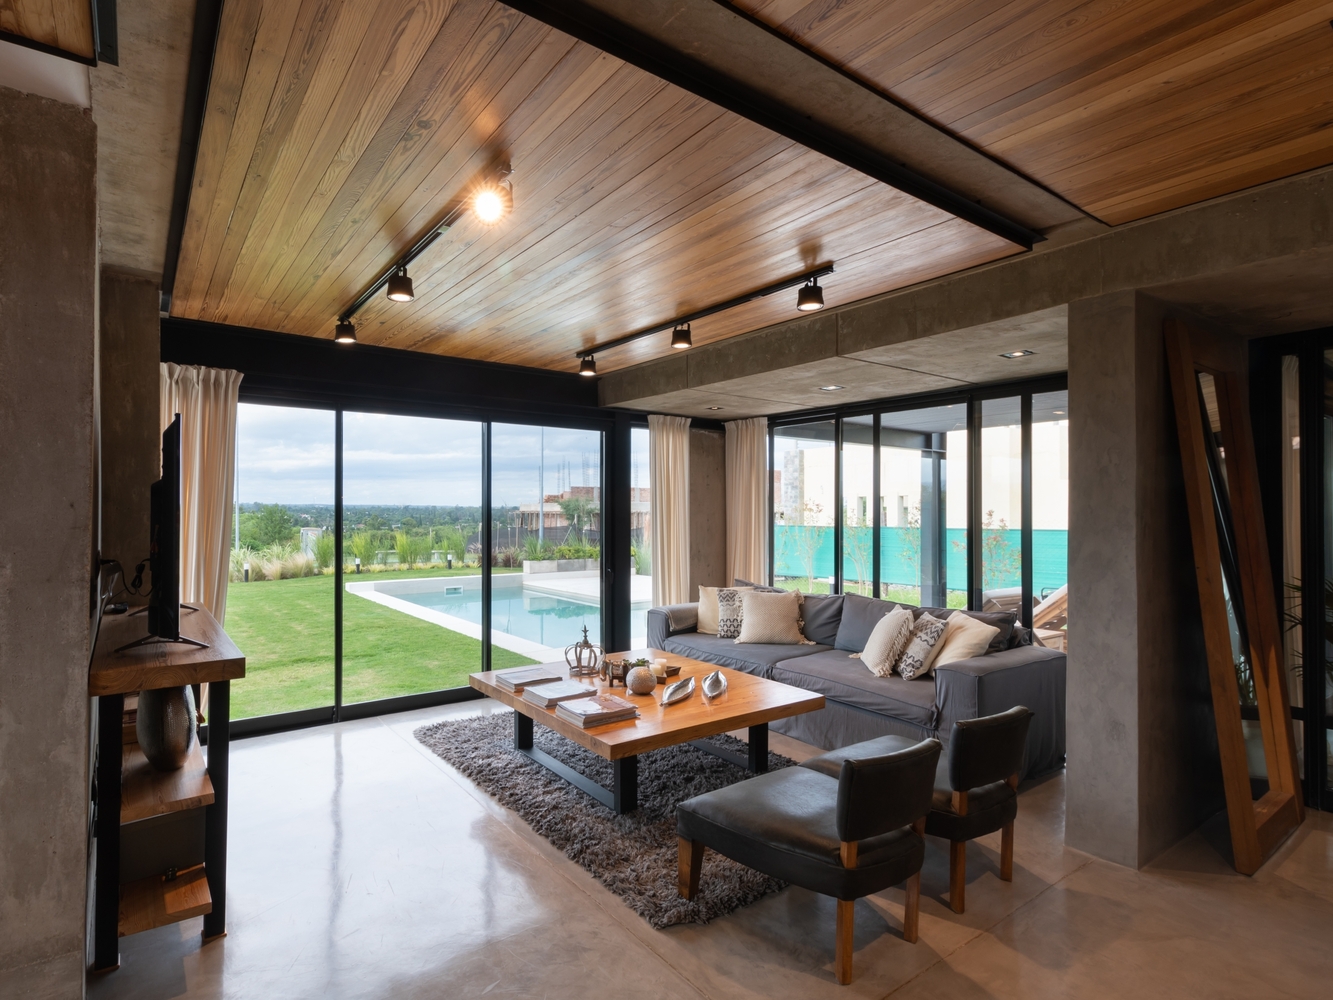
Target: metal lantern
[584, 657]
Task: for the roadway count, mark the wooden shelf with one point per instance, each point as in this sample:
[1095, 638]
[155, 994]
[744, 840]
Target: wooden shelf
[154, 902]
[146, 792]
[161, 665]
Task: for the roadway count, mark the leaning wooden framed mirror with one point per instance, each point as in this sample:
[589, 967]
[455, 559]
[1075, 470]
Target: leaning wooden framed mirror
[1241, 628]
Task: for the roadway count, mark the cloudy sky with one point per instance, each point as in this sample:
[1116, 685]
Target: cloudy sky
[286, 455]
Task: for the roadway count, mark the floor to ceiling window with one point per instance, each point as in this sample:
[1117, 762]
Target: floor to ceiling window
[958, 501]
[804, 506]
[640, 537]
[546, 511]
[280, 598]
[411, 554]
[923, 504]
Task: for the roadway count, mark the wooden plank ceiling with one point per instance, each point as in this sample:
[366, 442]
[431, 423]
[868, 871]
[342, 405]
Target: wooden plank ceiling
[66, 25]
[336, 133]
[1125, 107]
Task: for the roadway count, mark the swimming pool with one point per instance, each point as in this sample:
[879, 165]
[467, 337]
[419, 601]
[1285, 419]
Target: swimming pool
[535, 619]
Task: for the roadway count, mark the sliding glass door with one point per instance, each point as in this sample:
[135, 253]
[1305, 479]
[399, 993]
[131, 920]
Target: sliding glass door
[411, 555]
[804, 507]
[546, 512]
[280, 595]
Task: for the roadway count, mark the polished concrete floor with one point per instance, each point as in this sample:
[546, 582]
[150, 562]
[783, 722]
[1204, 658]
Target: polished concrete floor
[363, 866]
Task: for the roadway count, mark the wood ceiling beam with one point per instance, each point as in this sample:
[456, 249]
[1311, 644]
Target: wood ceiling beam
[695, 68]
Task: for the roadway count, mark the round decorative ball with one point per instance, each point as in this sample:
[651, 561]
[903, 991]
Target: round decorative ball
[165, 726]
[640, 680]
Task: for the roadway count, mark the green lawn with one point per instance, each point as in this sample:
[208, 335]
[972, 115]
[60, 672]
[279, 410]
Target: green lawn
[285, 630]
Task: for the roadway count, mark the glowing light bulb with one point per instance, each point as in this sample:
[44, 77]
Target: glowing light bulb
[492, 203]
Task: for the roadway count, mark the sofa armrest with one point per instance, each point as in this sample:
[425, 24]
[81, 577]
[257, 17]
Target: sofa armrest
[673, 619]
[1033, 676]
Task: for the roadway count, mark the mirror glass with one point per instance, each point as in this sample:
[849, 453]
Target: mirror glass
[1231, 587]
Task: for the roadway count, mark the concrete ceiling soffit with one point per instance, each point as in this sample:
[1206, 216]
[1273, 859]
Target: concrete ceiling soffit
[727, 57]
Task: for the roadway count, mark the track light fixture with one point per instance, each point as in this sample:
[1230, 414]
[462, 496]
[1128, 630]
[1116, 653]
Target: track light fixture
[680, 337]
[810, 297]
[493, 201]
[344, 332]
[400, 285]
[588, 366]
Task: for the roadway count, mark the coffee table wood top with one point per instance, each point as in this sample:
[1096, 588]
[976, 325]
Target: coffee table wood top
[748, 701]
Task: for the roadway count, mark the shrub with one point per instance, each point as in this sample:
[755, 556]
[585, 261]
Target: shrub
[452, 539]
[324, 551]
[535, 550]
[360, 546]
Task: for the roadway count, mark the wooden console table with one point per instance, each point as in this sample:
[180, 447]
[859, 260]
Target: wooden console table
[129, 790]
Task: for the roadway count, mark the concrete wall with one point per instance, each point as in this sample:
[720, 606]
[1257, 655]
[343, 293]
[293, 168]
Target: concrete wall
[708, 510]
[1142, 749]
[48, 319]
[128, 348]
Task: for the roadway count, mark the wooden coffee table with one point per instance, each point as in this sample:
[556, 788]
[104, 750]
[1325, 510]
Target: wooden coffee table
[749, 702]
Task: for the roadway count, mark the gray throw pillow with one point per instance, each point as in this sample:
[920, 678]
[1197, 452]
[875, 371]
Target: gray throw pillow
[822, 614]
[860, 615]
[919, 655]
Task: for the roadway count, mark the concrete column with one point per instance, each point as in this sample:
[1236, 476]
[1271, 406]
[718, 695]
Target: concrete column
[48, 323]
[708, 510]
[128, 350]
[1142, 751]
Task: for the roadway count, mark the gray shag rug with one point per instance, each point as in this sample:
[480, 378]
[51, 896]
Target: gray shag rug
[632, 855]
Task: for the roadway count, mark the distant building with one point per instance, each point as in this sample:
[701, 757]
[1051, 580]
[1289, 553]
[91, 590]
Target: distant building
[554, 517]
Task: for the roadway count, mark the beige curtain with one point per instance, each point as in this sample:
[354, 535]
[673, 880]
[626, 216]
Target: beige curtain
[206, 400]
[747, 500]
[669, 478]
[1291, 518]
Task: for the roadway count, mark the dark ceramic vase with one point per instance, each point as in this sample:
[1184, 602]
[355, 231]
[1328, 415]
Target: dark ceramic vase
[165, 726]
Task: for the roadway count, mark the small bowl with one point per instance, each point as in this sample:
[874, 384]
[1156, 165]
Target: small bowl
[671, 671]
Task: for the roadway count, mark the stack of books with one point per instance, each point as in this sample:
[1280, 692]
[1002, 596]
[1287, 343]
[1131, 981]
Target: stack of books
[596, 711]
[515, 679]
[546, 695]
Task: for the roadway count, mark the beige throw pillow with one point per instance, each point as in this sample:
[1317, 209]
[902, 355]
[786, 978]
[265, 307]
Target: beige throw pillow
[708, 612]
[919, 656]
[964, 637]
[887, 642]
[772, 618]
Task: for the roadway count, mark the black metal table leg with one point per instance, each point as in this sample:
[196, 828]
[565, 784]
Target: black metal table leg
[106, 904]
[522, 732]
[625, 784]
[215, 816]
[757, 760]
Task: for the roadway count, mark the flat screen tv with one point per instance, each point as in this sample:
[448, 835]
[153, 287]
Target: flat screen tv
[164, 552]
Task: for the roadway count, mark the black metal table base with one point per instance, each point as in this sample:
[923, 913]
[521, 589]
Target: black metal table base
[623, 795]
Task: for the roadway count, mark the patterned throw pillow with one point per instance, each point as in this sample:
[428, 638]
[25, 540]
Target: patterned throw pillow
[771, 618]
[887, 642]
[919, 655]
[729, 612]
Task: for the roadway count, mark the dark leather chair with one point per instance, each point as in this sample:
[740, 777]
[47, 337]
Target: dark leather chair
[847, 834]
[976, 787]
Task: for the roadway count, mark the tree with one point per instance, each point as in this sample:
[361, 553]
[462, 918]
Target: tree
[579, 512]
[273, 525]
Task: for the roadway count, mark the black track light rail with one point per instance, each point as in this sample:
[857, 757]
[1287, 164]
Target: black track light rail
[740, 300]
[455, 211]
[602, 31]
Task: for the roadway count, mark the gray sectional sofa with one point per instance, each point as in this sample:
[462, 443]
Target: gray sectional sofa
[860, 706]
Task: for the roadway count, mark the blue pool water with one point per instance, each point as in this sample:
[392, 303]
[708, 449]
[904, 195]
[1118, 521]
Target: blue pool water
[528, 614]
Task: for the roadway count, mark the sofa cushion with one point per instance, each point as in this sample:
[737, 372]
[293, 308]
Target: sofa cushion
[860, 615]
[822, 613]
[836, 675]
[770, 618]
[752, 658]
[1002, 620]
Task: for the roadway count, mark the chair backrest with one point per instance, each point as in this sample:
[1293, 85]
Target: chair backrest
[879, 794]
[983, 751]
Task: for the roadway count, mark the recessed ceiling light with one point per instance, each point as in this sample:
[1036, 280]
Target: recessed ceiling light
[715, 407]
[1017, 354]
[1058, 413]
[830, 388]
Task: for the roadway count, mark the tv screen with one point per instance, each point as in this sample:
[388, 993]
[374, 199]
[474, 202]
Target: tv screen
[164, 600]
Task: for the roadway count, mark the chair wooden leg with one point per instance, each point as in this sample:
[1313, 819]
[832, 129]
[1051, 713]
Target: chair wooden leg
[957, 873]
[689, 863]
[1007, 851]
[842, 962]
[912, 909]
